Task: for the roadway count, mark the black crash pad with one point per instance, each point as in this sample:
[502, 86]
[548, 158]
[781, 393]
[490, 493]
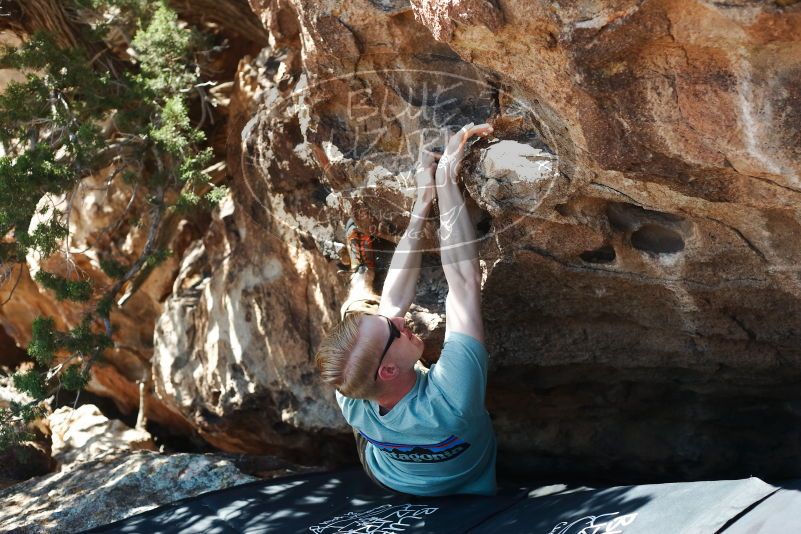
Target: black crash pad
[779, 513]
[347, 502]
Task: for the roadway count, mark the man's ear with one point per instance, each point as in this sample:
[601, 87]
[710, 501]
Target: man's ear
[388, 371]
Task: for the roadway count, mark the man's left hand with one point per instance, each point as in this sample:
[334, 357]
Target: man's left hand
[454, 149]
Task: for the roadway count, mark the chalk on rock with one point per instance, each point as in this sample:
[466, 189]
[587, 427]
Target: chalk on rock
[515, 176]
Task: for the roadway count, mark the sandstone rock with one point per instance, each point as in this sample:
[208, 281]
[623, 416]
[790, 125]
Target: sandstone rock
[516, 177]
[234, 345]
[86, 434]
[442, 16]
[7, 38]
[97, 220]
[27, 460]
[638, 212]
[643, 299]
[110, 488]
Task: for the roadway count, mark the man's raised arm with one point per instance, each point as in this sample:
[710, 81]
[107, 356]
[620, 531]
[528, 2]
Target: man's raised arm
[458, 247]
[401, 282]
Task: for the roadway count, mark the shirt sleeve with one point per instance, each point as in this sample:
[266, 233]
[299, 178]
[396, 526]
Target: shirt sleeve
[342, 400]
[460, 374]
[345, 404]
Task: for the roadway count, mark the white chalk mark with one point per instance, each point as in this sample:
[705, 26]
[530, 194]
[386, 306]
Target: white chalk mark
[752, 128]
[384, 519]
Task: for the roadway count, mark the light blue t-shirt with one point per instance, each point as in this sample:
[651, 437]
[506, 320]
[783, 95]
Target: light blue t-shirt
[438, 440]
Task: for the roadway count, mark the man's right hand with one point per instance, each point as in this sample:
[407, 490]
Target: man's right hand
[424, 174]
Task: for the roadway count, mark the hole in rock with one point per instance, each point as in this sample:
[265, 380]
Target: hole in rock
[390, 5]
[484, 224]
[208, 417]
[604, 254]
[657, 239]
[10, 355]
[627, 217]
[320, 193]
[307, 242]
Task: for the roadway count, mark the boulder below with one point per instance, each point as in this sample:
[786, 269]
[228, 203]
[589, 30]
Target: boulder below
[97, 492]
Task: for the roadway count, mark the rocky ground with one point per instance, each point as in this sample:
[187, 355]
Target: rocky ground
[103, 471]
[638, 207]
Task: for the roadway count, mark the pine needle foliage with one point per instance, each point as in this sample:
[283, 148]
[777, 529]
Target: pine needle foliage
[74, 115]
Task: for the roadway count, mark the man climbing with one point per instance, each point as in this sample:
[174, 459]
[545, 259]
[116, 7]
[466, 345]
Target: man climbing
[418, 432]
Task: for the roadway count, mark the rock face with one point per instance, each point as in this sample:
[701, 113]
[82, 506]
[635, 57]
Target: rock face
[86, 434]
[96, 221]
[638, 209]
[100, 220]
[7, 38]
[101, 491]
[659, 331]
[234, 347]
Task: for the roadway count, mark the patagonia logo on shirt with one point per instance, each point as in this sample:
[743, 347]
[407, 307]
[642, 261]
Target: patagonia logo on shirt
[438, 452]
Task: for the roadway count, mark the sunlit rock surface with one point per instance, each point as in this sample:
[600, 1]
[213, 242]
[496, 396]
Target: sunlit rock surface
[97, 220]
[638, 207]
[101, 219]
[104, 490]
[234, 346]
[86, 434]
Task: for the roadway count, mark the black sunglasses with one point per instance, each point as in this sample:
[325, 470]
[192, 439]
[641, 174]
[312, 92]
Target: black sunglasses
[394, 334]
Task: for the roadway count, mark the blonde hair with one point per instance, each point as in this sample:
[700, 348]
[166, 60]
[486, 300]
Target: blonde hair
[348, 363]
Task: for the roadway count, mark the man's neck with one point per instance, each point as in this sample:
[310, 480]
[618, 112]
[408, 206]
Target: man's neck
[397, 390]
